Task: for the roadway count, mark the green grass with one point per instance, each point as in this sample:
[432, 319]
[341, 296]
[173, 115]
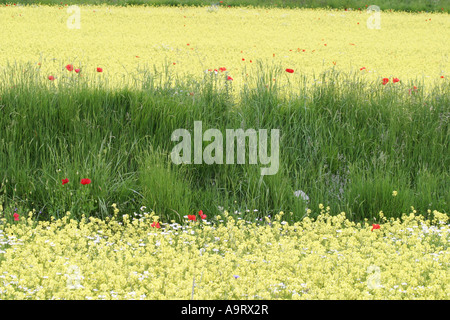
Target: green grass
[345, 143]
[397, 5]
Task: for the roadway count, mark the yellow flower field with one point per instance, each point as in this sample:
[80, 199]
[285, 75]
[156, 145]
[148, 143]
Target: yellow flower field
[226, 258]
[127, 42]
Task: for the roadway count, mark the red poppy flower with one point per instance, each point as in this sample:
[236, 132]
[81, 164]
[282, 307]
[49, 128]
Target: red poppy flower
[290, 70]
[442, 77]
[230, 78]
[156, 225]
[222, 69]
[51, 78]
[77, 70]
[85, 181]
[192, 217]
[415, 90]
[385, 80]
[64, 181]
[69, 67]
[375, 226]
[16, 216]
[395, 80]
[99, 70]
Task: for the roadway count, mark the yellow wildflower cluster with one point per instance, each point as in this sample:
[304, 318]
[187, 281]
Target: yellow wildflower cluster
[326, 258]
[126, 42]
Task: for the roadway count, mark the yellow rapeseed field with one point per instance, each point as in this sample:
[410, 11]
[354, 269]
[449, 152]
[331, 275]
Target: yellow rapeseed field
[226, 257]
[127, 43]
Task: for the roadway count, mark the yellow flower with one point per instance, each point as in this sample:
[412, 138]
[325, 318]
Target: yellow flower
[265, 30]
[394, 193]
[115, 265]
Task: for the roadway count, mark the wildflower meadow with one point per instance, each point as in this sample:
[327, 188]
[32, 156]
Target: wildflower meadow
[228, 150]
